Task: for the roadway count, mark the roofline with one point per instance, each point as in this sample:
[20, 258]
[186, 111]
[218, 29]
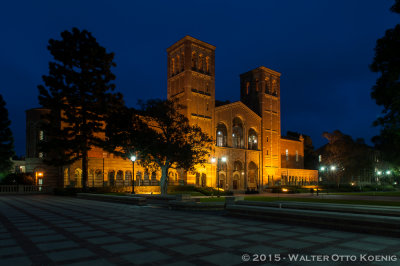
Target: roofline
[190, 38]
[263, 68]
[240, 103]
[38, 109]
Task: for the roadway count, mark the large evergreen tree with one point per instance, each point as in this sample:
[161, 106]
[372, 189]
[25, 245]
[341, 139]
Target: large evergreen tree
[78, 91]
[386, 91]
[161, 136]
[6, 140]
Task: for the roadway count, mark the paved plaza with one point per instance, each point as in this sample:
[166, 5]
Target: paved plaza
[50, 230]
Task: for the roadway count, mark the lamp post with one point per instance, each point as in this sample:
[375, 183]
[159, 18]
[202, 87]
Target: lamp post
[133, 159]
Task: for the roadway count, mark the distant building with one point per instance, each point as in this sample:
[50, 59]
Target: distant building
[249, 151]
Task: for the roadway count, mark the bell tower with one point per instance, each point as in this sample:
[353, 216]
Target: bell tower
[191, 80]
[260, 91]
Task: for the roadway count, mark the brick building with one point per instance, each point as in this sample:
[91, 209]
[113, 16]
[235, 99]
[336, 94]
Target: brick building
[249, 150]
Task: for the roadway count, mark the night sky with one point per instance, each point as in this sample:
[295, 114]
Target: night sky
[322, 48]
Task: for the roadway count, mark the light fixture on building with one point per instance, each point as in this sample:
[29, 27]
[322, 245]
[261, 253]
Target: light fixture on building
[213, 160]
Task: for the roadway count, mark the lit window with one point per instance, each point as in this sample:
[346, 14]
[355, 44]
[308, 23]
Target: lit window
[287, 155]
[41, 135]
[320, 158]
[40, 154]
[252, 140]
[221, 135]
[297, 156]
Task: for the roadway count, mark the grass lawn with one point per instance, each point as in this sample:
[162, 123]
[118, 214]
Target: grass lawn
[193, 193]
[335, 201]
[116, 193]
[213, 199]
[371, 193]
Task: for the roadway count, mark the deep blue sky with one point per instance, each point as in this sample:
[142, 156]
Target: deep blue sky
[322, 49]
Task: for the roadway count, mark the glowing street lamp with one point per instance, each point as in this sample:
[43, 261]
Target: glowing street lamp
[333, 168]
[133, 159]
[388, 172]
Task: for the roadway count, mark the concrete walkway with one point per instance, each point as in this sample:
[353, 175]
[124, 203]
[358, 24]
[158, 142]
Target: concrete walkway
[49, 230]
[323, 196]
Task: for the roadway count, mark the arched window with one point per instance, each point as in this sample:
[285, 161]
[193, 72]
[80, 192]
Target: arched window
[120, 178]
[173, 65]
[78, 177]
[237, 133]
[128, 178]
[253, 141]
[267, 87]
[194, 60]
[200, 64]
[221, 135]
[208, 64]
[247, 87]
[178, 64]
[98, 178]
[274, 89]
[111, 178]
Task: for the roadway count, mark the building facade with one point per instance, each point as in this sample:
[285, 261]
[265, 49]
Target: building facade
[249, 152]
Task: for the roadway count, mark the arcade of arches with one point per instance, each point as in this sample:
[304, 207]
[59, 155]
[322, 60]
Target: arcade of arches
[249, 151]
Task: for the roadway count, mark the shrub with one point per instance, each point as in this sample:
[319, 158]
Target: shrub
[18, 179]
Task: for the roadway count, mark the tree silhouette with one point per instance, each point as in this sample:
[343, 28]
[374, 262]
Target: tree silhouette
[160, 135]
[6, 140]
[78, 91]
[350, 158]
[386, 91]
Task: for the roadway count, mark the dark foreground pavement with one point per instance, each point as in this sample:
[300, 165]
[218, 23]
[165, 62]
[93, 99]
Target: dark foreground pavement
[49, 230]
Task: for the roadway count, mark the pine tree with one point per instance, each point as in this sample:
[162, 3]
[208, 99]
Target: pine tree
[78, 92]
[6, 140]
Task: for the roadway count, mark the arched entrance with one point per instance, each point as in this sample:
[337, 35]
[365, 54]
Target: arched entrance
[252, 176]
[221, 180]
[203, 180]
[237, 178]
